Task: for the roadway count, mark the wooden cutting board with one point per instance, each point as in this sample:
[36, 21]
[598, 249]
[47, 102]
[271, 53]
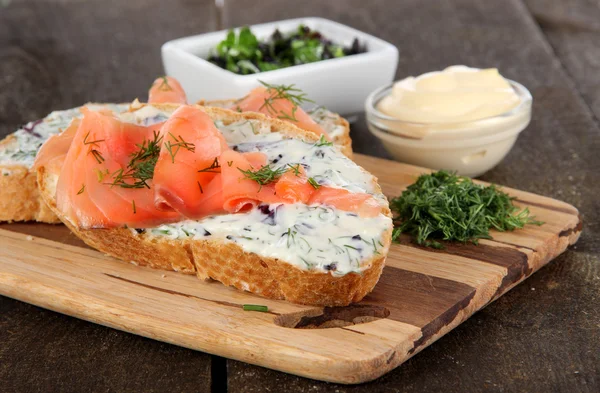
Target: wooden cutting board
[422, 294]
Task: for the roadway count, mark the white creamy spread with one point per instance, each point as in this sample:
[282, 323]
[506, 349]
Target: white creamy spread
[309, 237]
[22, 149]
[328, 121]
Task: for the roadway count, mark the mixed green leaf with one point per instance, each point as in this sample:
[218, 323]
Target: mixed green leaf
[243, 53]
[445, 206]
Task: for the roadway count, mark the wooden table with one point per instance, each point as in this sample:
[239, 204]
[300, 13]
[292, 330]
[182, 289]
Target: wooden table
[542, 336]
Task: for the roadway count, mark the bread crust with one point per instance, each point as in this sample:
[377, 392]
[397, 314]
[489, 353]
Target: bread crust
[343, 141]
[20, 199]
[226, 261]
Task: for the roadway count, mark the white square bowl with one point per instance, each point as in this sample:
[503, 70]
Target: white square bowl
[341, 85]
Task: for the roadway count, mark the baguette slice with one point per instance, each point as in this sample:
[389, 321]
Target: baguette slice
[336, 126]
[226, 261]
[20, 199]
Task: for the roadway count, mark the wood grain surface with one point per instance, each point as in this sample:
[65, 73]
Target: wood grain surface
[422, 294]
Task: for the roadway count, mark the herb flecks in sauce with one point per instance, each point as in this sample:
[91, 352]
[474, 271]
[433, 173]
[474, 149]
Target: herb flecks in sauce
[445, 206]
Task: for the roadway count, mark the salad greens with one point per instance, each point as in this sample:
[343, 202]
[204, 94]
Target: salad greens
[445, 206]
[243, 53]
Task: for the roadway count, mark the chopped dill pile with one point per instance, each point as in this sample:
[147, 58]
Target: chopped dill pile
[448, 207]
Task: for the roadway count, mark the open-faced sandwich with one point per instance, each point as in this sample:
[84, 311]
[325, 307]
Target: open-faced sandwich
[249, 200]
[20, 199]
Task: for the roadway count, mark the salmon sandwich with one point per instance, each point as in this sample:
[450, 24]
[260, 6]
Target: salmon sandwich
[20, 199]
[251, 201]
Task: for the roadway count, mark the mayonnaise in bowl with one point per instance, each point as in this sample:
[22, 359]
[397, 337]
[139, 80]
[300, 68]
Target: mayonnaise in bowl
[461, 118]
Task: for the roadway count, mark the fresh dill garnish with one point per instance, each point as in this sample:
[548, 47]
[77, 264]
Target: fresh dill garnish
[255, 307]
[264, 175]
[164, 84]
[81, 189]
[313, 183]
[101, 174]
[283, 92]
[323, 142]
[179, 143]
[295, 169]
[213, 168]
[291, 235]
[140, 168]
[445, 206]
[229, 163]
[133, 204]
[97, 155]
[95, 143]
[200, 187]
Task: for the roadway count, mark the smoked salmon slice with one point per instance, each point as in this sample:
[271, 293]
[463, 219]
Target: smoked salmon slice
[281, 102]
[103, 182]
[294, 185]
[166, 90]
[188, 164]
[52, 153]
[239, 192]
[360, 203]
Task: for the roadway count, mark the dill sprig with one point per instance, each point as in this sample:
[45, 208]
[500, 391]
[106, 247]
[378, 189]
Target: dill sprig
[264, 175]
[140, 168]
[95, 143]
[283, 92]
[445, 206]
[97, 155]
[323, 142]
[179, 143]
[255, 307]
[164, 84]
[313, 183]
[295, 169]
[213, 168]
